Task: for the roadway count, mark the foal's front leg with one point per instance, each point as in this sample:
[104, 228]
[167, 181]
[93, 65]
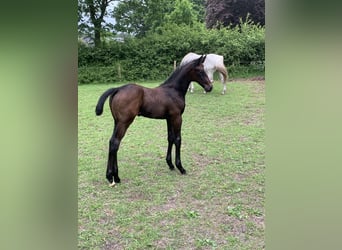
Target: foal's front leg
[178, 153]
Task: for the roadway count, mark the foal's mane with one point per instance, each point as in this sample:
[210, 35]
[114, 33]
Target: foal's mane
[177, 73]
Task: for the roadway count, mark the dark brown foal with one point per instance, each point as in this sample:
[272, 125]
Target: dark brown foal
[166, 101]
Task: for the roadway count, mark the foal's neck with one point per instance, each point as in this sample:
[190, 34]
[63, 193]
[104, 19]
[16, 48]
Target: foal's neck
[179, 84]
[182, 86]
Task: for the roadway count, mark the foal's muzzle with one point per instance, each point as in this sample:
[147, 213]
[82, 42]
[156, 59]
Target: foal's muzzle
[208, 88]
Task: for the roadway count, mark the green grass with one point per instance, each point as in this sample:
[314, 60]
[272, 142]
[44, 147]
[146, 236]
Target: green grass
[219, 204]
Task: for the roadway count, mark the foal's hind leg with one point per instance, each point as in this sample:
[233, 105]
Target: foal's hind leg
[170, 139]
[174, 129]
[114, 143]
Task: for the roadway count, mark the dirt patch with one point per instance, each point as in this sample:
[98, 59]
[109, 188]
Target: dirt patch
[170, 204]
[255, 119]
[201, 161]
[250, 79]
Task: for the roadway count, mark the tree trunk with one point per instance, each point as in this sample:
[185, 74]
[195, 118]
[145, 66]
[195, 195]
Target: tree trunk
[97, 11]
[97, 35]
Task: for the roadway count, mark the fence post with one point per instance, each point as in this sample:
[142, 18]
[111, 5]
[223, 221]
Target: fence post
[174, 64]
[119, 71]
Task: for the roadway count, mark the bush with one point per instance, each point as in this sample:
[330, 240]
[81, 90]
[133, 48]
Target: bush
[152, 56]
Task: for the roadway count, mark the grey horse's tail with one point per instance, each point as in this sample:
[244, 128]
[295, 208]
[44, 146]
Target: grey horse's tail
[224, 72]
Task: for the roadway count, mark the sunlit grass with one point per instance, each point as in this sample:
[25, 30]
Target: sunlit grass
[218, 204]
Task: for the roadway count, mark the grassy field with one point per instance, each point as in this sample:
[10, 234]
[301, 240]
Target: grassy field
[219, 204]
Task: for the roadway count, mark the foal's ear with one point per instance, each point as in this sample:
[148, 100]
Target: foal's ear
[201, 59]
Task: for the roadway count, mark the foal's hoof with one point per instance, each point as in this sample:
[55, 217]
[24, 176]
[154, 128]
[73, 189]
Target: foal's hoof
[113, 183]
[183, 171]
[110, 178]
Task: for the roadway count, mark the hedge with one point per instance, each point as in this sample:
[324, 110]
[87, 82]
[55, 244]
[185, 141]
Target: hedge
[152, 57]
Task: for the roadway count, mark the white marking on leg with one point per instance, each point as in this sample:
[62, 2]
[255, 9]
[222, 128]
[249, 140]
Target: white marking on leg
[112, 184]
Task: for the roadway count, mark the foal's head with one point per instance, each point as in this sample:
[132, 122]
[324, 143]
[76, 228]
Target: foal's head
[197, 74]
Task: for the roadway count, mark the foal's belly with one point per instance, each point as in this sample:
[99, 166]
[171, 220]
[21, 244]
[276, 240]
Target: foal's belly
[153, 111]
[161, 110]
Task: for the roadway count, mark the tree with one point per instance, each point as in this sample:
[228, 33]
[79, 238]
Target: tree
[229, 12]
[199, 8]
[137, 17]
[96, 10]
[183, 13]
[129, 16]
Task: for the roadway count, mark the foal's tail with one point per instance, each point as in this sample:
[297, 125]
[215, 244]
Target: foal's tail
[103, 98]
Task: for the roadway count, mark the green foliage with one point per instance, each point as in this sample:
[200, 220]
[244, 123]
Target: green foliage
[199, 8]
[192, 214]
[235, 211]
[152, 56]
[137, 17]
[129, 17]
[182, 13]
[140, 17]
[205, 242]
